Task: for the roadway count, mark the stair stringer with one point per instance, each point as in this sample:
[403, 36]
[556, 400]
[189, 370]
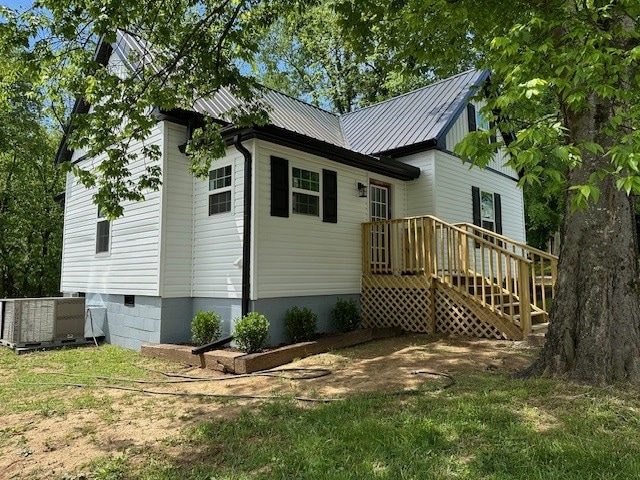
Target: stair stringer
[471, 316]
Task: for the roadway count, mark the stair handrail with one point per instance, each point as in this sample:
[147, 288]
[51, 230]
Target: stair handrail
[523, 246]
[456, 228]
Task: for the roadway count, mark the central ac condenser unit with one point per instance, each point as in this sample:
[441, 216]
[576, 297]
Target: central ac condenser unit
[28, 321]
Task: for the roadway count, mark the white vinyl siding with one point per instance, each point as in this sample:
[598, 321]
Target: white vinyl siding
[301, 255]
[461, 128]
[217, 239]
[421, 191]
[453, 194]
[132, 265]
[177, 222]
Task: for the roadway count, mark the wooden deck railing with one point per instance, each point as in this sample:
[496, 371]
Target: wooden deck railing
[491, 269]
[544, 266]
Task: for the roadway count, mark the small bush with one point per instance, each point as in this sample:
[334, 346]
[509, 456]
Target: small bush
[205, 327]
[346, 315]
[300, 324]
[251, 332]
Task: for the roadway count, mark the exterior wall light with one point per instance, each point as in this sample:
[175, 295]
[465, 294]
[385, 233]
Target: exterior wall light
[362, 190]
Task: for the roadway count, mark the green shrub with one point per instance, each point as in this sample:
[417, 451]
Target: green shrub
[300, 324]
[251, 332]
[205, 327]
[346, 316]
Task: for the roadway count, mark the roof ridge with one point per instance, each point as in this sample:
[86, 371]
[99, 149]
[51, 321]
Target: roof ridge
[411, 91]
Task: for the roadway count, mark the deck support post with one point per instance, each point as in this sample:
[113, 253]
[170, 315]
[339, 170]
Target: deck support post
[525, 299]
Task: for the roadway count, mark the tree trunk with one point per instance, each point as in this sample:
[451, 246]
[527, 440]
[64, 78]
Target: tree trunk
[594, 331]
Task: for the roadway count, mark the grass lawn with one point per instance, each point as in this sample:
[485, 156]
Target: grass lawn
[487, 425]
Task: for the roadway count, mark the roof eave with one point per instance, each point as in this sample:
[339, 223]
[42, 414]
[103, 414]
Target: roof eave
[440, 137]
[408, 149]
[64, 154]
[280, 136]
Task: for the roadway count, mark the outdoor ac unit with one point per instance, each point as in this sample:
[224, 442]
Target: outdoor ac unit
[28, 321]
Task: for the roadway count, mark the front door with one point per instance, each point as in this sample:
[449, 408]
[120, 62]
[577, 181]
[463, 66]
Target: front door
[379, 210]
[379, 206]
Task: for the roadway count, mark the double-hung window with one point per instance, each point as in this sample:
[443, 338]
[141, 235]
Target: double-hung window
[103, 230]
[220, 188]
[305, 192]
[487, 211]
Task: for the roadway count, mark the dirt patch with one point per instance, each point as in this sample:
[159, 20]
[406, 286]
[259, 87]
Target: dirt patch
[36, 445]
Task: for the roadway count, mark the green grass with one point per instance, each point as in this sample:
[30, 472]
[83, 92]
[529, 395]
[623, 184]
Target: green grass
[23, 377]
[487, 426]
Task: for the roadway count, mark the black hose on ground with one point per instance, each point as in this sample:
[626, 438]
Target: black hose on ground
[314, 373]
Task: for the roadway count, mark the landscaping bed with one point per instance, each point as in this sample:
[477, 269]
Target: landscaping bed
[237, 362]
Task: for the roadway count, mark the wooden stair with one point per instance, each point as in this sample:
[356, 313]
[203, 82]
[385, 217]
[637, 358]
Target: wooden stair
[481, 282]
[500, 301]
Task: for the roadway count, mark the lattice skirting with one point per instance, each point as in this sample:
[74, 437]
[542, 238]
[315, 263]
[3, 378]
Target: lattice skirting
[409, 302]
[455, 318]
[393, 301]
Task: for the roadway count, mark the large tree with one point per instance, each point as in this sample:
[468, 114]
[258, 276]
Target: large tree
[585, 56]
[30, 216]
[306, 54]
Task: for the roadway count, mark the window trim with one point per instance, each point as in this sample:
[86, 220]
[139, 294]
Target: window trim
[100, 219]
[293, 190]
[215, 191]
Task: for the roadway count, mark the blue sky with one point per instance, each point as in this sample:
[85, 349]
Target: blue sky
[17, 4]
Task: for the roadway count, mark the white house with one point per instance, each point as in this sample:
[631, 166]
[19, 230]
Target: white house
[278, 223]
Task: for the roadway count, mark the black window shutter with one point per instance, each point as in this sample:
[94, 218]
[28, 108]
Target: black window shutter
[279, 187]
[497, 212]
[475, 197]
[493, 138]
[471, 117]
[329, 196]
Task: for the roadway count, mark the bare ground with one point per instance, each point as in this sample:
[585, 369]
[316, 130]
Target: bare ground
[48, 445]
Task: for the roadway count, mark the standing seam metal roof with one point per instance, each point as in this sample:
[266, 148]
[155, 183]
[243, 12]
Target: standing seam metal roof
[408, 119]
[411, 118]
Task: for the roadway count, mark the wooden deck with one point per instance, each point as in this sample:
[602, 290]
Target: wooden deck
[425, 275]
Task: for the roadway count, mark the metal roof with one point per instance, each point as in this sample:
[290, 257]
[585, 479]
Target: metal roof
[284, 112]
[412, 118]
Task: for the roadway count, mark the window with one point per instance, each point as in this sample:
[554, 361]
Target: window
[477, 122]
[129, 300]
[220, 184]
[103, 228]
[487, 212]
[481, 123]
[305, 192]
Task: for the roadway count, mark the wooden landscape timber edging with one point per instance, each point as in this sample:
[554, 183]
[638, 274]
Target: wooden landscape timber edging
[240, 363]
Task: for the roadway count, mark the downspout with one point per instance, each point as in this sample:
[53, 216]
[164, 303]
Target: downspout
[246, 228]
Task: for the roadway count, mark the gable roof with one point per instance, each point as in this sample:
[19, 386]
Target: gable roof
[416, 119]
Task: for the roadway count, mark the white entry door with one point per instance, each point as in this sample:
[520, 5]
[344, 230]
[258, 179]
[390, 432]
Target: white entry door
[379, 203]
[379, 210]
